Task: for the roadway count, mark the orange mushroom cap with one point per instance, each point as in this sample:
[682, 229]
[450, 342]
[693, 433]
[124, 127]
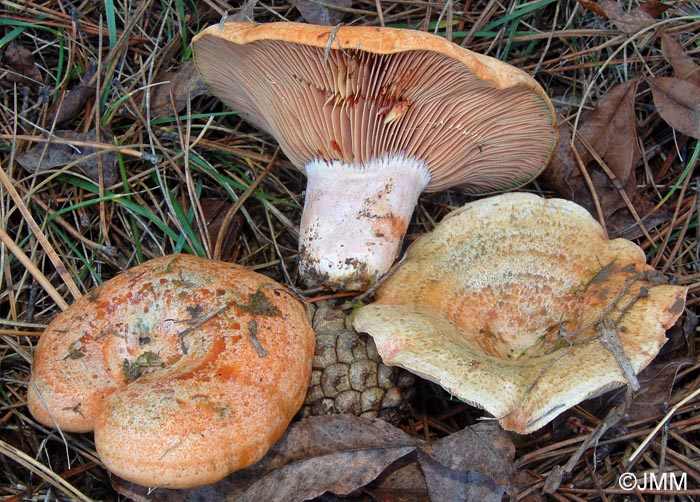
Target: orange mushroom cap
[505, 304]
[187, 369]
[366, 112]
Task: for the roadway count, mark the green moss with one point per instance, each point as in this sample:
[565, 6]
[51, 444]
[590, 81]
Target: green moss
[259, 304]
[75, 350]
[144, 361]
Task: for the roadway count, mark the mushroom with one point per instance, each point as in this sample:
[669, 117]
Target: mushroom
[374, 116]
[521, 306]
[187, 369]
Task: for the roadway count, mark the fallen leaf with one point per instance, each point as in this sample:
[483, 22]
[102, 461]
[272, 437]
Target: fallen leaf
[341, 454]
[214, 212]
[74, 101]
[565, 178]
[683, 65]
[653, 8]
[562, 173]
[45, 156]
[475, 463]
[177, 87]
[593, 7]
[678, 103]
[657, 381]
[690, 326]
[317, 13]
[21, 61]
[336, 453]
[611, 129]
[403, 480]
[628, 21]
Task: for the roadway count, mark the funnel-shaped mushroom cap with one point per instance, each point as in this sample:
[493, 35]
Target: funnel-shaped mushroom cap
[365, 111]
[360, 94]
[504, 305]
[187, 369]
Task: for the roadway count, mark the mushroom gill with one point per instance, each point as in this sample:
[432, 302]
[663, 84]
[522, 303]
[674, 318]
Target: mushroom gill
[356, 107]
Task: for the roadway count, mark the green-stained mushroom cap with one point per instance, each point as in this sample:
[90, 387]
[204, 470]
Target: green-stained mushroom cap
[187, 369]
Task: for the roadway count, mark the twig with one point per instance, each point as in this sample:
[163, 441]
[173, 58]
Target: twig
[253, 332]
[226, 222]
[39, 235]
[88, 144]
[607, 334]
[33, 270]
[658, 427]
[557, 474]
[44, 472]
[196, 323]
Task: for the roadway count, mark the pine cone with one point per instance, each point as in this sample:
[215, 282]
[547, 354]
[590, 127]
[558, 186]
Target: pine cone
[348, 375]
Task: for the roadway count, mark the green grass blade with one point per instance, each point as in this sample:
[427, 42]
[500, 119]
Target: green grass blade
[122, 200]
[111, 17]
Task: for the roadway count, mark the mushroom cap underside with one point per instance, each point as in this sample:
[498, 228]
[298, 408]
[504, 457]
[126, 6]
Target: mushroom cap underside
[187, 369]
[361, 94]
[504, 304]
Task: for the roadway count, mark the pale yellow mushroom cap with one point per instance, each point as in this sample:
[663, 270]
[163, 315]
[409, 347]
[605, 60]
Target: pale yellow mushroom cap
[187, 369]
[504, 302]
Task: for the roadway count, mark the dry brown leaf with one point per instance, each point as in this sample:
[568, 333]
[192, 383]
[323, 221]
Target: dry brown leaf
[472, 464]
[403, 480]
[21, 61]
[177, 87]
[214, 212]
[475, 463]
[630, 21]
[657, 383]
[45, 156]
[74, 101]
[317, 13]
[449, 485]
[336, 453]
[653, 8]
[690, 326]
[332, 453]
[611, 129]
[343, 453]
[678, 103]
[565, 178]
[682, 63]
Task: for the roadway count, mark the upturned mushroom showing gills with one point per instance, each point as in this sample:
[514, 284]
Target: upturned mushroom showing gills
[373, 117]
[186, 369]
[521, 306]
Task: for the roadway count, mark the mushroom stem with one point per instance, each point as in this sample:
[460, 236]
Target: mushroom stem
[355, 218]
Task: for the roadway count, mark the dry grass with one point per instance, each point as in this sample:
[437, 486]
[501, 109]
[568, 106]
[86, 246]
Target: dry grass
[62, 234]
